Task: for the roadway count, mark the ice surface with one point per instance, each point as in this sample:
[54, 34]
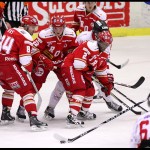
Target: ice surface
[114, 134]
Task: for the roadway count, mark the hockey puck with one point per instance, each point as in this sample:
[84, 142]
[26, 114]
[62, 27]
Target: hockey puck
[62, 142]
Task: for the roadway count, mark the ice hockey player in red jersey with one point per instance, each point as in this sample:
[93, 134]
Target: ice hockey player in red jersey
[77, 70]
[50, 48]
[140, 136]
[99, 27]
[15, 53]
[85, 15]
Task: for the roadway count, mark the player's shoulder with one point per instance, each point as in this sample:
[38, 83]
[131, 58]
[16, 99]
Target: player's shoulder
[84, 36]
[92, 45]
[80, 8]
[46, 33]
[100, 13]
[69, 32]
[145, 116]
[23, 33]
[84, 33]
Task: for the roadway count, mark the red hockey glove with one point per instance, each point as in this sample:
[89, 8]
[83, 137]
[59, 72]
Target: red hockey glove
[107, 89]
[110, 77]
[47, 62]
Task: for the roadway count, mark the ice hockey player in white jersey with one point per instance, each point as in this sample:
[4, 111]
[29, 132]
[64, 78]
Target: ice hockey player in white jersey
[140, 137]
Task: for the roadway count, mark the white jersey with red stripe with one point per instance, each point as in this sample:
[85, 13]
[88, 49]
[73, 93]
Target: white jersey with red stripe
[16, 45]
[141, 130]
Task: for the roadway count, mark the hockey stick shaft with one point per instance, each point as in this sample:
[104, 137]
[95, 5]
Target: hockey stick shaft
[4, 23]
[136, 85]
[135, 112]
[118, 66]
[129, 99]
[64, 140]
[36, 90]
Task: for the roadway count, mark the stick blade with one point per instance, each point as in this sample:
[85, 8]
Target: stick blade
[140, 81]
[124, 64]
[148, 100]
[60, 138]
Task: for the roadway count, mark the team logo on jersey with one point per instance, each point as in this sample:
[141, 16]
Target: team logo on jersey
[39, 72]
[14, 85]
[92, 24]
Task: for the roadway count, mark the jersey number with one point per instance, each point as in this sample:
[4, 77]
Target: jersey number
[7, 43]
[143, 129]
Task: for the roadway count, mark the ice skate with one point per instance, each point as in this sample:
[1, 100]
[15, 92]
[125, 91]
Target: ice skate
[21, 114]
[6, 117]
[86, 115]
[98, 97]
[49, 113]
[113, 106]
[73, 122]
[37, 125]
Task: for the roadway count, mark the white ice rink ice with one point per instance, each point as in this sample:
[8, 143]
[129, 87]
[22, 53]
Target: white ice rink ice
[116, 133]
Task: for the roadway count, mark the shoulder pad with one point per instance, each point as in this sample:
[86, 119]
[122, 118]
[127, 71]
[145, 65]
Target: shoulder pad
[24, 33]
[100, 13]
[46, 33]
[92, 45]
[69, 32]
[84, 36]
[80, 8]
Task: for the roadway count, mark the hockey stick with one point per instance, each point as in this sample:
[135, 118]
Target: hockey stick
[135, 112]
[66, 140]
[136, 85]
[4, 23]
[129, 99]
[35, 88]
[119, 66]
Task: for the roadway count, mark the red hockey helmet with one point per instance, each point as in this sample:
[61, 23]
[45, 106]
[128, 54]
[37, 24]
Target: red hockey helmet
[58, 21]
[29, 20]
[105, 36]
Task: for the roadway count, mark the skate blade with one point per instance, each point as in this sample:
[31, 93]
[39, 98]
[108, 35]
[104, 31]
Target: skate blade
[98, 100]
[22, 120]
[6, 122]
[74, 126]
[84, 119]
[39, 129]
[114, 111]
[48, 118]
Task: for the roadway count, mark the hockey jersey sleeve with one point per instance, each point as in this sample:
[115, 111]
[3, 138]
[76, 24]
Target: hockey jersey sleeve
[39, 45]
[76, 22]
[25, 57]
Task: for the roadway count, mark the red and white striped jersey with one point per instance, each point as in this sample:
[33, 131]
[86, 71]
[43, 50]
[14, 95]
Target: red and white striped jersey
[83, 56]
[84, 21]
[53, 47]
[16, 46]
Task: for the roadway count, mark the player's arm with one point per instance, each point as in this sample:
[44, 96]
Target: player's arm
[39, 46]
[25, 57]
[76, 23]
[80, 60]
